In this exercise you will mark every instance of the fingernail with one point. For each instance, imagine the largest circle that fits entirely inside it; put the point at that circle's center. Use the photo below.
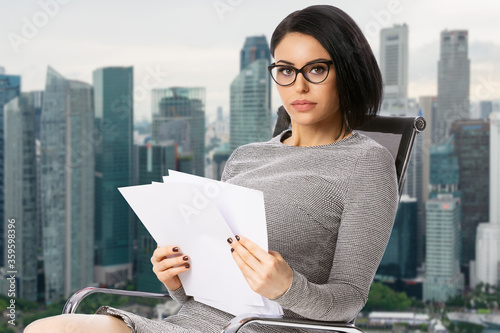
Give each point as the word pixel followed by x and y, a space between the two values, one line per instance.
pixel 175 249
pixel 185 258
pixel 237 237
pixel 232 250
pixel 186 265
pixel 229 240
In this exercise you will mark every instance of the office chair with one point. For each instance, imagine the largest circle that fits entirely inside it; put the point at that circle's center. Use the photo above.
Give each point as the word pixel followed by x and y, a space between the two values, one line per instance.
pixel 398 135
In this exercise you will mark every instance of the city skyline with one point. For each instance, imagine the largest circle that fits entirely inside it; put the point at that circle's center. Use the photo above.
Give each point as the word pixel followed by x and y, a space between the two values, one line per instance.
pixel 181 44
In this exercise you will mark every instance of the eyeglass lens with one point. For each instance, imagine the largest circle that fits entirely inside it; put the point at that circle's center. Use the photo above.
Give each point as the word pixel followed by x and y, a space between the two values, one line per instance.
pixel 314 73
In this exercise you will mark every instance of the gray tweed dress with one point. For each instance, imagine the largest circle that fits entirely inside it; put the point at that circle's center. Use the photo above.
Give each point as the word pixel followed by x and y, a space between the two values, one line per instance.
pixel 329 210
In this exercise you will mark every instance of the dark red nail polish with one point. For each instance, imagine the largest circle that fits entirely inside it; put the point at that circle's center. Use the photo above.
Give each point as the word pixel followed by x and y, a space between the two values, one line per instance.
pixel 232 250
pixel 237 237
pixel 186 265
pixel 185 258
pixel 175 249
pixel 229 240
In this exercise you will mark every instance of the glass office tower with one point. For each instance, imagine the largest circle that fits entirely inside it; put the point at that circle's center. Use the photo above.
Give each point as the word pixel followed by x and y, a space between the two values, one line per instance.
pixel 453 82
pixel 20 192
pixel 472 148
pixel 250 104
pixel 400 257
pixel 152 161
pixel 443 279
pixel 179 116
pixel 67 185
pixel 10 87
pixel 113 100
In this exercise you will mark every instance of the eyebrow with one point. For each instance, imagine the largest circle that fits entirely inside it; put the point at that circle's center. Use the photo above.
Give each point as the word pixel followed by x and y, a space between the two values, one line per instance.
pixel 307 63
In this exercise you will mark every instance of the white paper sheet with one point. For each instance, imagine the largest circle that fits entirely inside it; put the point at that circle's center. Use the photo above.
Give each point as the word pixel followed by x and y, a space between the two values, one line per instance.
pixel 198 215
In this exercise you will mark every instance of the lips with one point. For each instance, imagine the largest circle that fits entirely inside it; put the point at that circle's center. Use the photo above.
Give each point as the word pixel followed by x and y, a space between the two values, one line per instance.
pixel 303 105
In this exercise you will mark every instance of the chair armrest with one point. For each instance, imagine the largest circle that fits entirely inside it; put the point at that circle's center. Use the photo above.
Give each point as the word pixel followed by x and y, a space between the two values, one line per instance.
pixel 75 299
pixel 306 324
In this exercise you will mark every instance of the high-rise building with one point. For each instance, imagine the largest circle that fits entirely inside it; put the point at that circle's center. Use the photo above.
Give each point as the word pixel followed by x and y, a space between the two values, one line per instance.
pixel 485 108
pixel 67 185
pixel 113 100
pixel 179 116
pixel 255 47
pixel 250 104
pixel 152 162
pixel 471 145
pixel 10 87
pixel 494 167
pixel 400 257
pixel 444 169
pixel 453 82
pixel 443 279
pixel 394 62
pixel 20 194
pixel 486 267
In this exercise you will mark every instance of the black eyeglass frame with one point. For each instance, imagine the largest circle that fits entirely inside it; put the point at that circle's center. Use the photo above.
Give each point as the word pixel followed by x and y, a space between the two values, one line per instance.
pixel 297 71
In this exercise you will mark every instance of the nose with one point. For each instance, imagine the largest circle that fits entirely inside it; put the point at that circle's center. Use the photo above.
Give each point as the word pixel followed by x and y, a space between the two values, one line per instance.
pixel 301 84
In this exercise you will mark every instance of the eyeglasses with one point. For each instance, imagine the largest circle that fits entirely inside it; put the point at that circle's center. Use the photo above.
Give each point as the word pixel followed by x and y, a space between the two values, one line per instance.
pixel 315 72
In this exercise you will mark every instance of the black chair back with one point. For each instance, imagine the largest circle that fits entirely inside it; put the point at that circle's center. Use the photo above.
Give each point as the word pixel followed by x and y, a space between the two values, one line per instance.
pixel 396 133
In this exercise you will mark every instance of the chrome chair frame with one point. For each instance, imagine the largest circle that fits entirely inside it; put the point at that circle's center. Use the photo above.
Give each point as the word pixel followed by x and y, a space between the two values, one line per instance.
pixel 404 128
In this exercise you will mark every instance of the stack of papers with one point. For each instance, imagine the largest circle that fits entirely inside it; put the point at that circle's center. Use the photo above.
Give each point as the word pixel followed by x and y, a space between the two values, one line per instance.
pixel 198 215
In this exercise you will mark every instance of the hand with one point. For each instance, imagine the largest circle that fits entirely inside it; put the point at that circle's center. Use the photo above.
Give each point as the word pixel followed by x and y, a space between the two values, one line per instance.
pixel 268 274
pixel 166 268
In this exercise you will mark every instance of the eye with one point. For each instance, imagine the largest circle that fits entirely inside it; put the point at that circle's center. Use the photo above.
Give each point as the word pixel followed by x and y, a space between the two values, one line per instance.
pixel 317 69
pixel 286 71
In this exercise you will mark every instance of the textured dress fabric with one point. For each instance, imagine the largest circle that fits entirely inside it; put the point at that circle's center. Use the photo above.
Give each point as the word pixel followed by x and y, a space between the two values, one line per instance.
pixel 329 212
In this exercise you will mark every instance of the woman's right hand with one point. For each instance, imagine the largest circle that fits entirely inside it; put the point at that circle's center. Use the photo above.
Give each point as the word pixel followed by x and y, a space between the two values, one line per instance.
pixel 168 269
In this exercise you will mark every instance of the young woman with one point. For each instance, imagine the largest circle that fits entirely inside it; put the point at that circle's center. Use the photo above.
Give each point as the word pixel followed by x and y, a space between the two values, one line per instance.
pixel 330 193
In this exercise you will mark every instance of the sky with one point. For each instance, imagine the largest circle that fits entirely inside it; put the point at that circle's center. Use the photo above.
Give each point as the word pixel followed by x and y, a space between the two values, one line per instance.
pixel 197 43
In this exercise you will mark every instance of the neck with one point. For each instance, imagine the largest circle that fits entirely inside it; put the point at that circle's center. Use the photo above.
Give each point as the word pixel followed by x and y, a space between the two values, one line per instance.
pixel 309 136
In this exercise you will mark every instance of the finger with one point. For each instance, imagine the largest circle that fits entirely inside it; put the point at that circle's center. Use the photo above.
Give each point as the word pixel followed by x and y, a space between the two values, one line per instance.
pixel 161 252
pixel 253 248
pixel 169 263
pixel 248 273
pixel 244 254
pixel 172 272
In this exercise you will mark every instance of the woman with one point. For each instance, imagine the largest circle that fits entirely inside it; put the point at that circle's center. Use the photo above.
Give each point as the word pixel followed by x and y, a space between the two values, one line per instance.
pixel 330 193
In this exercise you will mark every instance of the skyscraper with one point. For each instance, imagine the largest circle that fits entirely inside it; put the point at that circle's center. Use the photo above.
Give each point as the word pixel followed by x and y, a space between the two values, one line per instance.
pixel 152 161
pixel 444 169
pixel 250 104
pixel 67 185
pixel 113 100
pixel 394 62
pixel 255 47
pixel 10 87
pixel 471 146
pixel 485 108
pixel 179 116
pixel 453 82
pixel 20 193
pixel 486 267
pixel 400 257
pixel 443 279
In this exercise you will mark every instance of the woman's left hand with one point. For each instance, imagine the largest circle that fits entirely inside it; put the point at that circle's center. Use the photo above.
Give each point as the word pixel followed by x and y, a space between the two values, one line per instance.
pixel 268 274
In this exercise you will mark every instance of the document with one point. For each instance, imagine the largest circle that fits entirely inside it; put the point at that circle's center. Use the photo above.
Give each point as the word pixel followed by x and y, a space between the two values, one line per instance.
pixel 198 215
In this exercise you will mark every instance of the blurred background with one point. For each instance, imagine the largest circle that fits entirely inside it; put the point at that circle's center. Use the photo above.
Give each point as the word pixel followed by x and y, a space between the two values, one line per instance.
pixel 99 95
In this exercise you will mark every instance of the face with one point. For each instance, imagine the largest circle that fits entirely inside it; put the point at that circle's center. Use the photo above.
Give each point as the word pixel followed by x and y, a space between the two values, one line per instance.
pixel 308 104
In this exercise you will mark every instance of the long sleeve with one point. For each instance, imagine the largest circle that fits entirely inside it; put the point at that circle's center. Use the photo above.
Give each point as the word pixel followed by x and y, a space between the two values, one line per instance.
pixel 366 222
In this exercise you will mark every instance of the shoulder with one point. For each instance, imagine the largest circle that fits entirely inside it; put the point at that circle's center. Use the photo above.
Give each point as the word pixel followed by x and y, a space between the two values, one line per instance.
pixel 371 151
